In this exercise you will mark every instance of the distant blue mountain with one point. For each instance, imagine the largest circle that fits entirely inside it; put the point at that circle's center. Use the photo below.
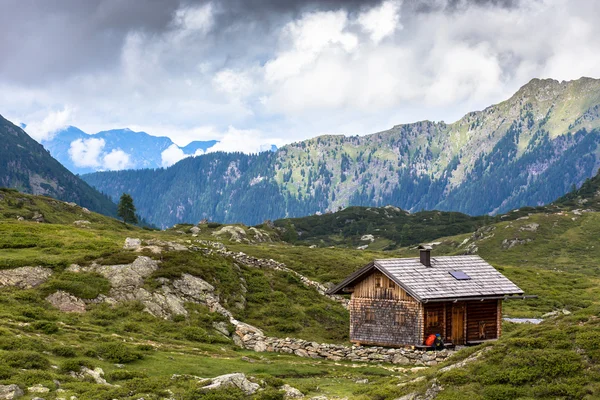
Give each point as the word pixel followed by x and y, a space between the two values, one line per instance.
pixel 198 145
pixel 143 150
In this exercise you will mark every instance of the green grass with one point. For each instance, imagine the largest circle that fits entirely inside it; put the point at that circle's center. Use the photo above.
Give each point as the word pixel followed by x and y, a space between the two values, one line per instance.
pixel 557 359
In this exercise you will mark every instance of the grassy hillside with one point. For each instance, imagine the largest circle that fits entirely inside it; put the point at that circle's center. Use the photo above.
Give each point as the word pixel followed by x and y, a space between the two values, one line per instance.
pixel 551 254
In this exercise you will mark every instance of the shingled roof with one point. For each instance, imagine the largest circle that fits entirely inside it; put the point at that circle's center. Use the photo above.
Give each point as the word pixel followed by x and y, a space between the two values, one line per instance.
pixel 436 282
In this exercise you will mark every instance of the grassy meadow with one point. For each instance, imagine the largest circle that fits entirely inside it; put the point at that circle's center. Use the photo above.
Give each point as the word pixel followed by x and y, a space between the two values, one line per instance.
pixel 552 255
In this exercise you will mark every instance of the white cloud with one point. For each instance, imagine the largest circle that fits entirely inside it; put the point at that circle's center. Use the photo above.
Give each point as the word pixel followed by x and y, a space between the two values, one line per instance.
pixel 244 141
pixel 47 127
pixel 172 155
pixel 381 21
pixel 86 152
pixel 116 160
pixel 299 75
pixel 235 84
pixel 195 18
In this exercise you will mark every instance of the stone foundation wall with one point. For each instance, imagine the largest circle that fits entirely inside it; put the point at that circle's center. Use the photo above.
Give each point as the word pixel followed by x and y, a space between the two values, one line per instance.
pixel 255 340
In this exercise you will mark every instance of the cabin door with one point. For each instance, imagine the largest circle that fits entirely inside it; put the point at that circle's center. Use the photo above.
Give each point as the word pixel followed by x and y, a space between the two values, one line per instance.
pixel 458 323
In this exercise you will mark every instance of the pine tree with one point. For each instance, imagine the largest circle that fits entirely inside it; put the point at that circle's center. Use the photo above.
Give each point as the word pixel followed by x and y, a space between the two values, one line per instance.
pixel 126 209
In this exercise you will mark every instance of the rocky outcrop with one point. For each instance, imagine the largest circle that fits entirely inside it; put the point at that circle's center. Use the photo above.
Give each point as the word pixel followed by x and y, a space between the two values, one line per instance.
pixel 24 277
pixel 253 339
pixel 82 223
pixel 237 380
pixel 238 234
pixel 66 302
pixel 127 284
pixel 96 374
pixel 10 392
pixel 291 392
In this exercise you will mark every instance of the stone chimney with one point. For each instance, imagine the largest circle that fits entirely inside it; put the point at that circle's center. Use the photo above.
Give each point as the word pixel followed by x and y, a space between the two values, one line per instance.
pixel 425 255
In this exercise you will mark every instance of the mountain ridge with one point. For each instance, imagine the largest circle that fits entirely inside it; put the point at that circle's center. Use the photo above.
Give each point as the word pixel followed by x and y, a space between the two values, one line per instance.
pixel 141 149
pixel 527 150
pixel 28 167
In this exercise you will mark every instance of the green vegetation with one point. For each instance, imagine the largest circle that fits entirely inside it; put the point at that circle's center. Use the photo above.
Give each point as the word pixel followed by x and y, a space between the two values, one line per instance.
pixel 548 251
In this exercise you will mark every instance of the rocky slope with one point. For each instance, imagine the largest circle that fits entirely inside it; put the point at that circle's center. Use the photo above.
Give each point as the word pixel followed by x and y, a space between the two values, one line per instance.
pixel 527 150
pixel 27 166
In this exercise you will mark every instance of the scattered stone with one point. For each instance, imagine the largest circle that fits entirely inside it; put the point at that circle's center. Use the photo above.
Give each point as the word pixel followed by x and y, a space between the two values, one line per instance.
pixel 291 392
pixel 38 389
pixel 82 223
pixel 24 277
pixel 510 243
pixel 132 243
pixel 248 359
pixel 362 381
pixel 194 230
pixel 363 247
pixel 312 246
pixel 97 375
pixel 238 380
pixel 10 392
pixel 368 237
pixel 530 227
pixel 85 210
pixel 38 217
pixel 235 233
pixel 20 219
pixel 66 302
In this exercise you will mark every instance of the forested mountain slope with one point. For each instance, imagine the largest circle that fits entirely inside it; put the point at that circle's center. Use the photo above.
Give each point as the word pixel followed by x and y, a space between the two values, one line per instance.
pixel 527 150
pixel 25 165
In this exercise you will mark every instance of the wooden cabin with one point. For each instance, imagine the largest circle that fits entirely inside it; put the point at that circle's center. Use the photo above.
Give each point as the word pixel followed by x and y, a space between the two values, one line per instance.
pixel 401 301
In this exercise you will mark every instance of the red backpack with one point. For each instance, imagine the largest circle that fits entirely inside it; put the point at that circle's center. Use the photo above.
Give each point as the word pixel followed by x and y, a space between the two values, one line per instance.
pixel 430 340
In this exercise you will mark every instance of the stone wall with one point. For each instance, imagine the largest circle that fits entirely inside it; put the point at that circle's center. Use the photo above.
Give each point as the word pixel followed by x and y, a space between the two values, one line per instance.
pixel 253 339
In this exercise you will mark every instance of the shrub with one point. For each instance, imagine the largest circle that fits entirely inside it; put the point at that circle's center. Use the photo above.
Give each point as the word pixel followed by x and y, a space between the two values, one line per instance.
pixel 195 334
pixel 6 372
pixel 124 375
pixel 81 284
pixel 64 351
pixel 45 326
pixel 25 360
pixel 117 352
pixel 74 365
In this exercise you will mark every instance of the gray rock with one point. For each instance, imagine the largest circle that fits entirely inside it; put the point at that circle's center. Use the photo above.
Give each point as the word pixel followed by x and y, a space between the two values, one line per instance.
pixel 10 392
pixel 291 392
pixel 132 243
pixel 24 277
pixel 66 302
pixel 38 389
pixel 530 227
pixel 238 380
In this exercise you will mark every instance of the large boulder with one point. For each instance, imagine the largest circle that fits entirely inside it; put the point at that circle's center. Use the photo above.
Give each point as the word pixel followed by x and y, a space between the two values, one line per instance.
pixel 24 277
pixel 10 392
pixel 238 380
pixel 66 302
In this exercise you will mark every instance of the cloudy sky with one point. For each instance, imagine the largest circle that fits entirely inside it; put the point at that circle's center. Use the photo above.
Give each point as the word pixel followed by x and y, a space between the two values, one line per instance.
pixel 250 72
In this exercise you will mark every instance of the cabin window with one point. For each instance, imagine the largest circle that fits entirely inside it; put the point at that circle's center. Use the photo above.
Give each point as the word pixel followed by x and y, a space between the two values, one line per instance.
pixel 391 284
pixel 399 318
pixel 432 319
pixel 377 281
pixel 369 317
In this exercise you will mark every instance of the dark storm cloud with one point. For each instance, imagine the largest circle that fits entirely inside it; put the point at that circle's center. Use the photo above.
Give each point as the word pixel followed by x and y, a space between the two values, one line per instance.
pixel 45 40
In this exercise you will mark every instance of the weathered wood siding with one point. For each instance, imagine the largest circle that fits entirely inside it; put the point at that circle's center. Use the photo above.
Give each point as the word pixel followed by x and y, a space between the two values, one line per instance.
pixel 435 317
pixel 482 320
pixel 382 313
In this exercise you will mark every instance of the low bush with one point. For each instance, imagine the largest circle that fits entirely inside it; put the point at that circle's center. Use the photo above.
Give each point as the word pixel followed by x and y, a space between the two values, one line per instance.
pixel 74 365
pixel 64 351
pixel 117 352
pixel 24 360
pixel 124 375
pixel 46 327
pixel 81 284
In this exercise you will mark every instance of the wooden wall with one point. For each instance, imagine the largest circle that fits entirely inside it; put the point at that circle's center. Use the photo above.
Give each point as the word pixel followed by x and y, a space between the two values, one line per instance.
pixel 435 319
pixel 382 313
pixel 482 312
